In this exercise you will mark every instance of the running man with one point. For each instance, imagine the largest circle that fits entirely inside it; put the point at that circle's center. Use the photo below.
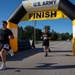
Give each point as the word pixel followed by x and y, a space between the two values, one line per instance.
pixel 5 49
pixel 46 37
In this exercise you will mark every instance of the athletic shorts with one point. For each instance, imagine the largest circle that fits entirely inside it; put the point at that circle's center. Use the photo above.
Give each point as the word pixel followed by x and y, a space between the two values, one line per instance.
pixel 46 43
pixel 5 46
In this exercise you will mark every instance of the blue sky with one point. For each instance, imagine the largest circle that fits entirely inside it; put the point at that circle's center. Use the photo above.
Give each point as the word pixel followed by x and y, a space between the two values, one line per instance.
pixel 60 25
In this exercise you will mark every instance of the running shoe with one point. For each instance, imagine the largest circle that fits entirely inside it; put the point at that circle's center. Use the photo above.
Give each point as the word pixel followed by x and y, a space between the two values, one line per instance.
pixel 49 50
pixel 3 67
pixel 46 54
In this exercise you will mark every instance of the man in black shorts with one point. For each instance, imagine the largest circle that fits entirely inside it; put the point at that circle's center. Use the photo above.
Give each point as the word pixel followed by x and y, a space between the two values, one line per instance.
pixel 46 37
pixel 5 35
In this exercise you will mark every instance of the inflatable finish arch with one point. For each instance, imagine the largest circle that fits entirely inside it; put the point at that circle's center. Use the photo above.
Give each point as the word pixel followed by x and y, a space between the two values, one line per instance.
pixel 40 5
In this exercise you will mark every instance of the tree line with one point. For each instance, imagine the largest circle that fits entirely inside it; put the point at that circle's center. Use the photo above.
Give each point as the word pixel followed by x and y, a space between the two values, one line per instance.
pixel 28 33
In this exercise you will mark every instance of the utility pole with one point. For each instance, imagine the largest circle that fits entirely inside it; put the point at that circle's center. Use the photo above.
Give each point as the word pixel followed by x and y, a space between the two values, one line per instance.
pixel 34 31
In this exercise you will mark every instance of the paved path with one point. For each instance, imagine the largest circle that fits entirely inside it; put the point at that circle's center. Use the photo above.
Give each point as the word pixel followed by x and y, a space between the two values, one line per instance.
pixel 60 61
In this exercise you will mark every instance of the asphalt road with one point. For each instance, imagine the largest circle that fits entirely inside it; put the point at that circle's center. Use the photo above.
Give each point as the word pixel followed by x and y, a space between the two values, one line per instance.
pixel 60 61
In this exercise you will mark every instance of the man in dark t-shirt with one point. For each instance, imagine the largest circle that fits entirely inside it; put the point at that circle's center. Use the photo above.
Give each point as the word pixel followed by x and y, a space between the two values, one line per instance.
pixel 46 37
pixel 5 35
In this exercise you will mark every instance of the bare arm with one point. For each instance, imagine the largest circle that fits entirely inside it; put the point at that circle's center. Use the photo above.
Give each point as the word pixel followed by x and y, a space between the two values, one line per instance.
pixel 11 37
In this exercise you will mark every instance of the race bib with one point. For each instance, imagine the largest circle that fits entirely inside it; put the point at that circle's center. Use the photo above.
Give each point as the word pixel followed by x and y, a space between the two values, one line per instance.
pixel 6 46
pixel 45 38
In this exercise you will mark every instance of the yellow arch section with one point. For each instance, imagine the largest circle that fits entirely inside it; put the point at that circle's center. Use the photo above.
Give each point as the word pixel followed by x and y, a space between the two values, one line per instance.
pixel 14 42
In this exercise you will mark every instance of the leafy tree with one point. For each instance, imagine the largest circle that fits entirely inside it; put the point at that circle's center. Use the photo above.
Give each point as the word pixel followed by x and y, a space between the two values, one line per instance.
pixel 54 35
pixel 29 32
pixel 65 36
pixel 20 32
pixel 71 36
pixel 38 34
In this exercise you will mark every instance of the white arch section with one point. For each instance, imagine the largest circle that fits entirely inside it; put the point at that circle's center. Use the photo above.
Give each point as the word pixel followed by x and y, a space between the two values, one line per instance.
pixel 40 5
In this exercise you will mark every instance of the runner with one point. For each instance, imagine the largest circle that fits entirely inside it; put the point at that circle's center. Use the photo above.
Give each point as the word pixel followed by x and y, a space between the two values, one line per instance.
pixel 46 37
pixel 5 49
